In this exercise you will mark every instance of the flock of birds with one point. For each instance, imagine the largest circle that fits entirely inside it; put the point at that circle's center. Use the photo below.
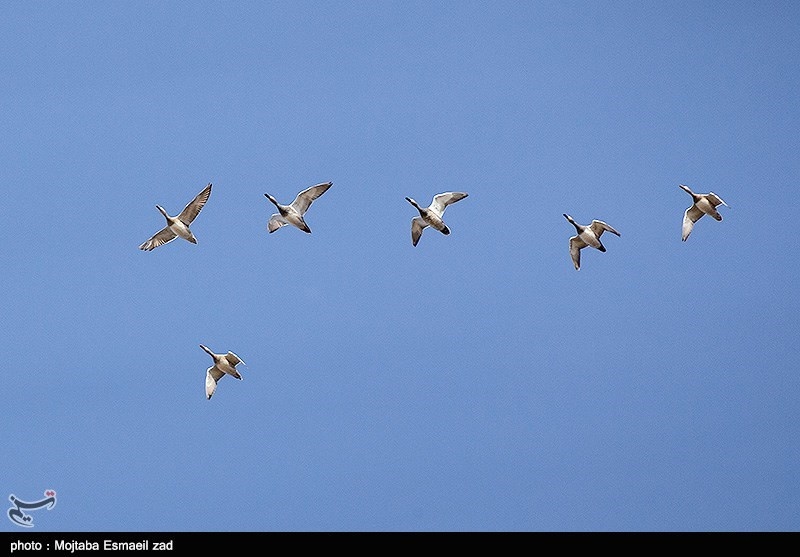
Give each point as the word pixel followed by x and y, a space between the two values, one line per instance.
pixel 294 213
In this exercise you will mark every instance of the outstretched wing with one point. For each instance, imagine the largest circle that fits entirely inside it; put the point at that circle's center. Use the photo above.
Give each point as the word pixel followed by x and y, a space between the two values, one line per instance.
pixel 275 222
pixel 715 199
pixel 304 199
pixel 417 226
pixel 691 216
pixel 213 374
pixel 234 359
pixel 599 226
pixel 194 207
pixel 163 236
pixel 441 201
pixel 575 247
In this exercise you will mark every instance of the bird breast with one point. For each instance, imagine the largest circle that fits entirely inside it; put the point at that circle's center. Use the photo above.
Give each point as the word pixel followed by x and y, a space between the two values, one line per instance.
pixel 588 236
pixel 434 221
pixel 705 205
pixel 180 228
pixel 225 366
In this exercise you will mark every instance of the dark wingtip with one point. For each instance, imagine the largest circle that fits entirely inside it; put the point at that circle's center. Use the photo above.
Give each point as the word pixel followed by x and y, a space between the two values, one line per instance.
pixel 602 248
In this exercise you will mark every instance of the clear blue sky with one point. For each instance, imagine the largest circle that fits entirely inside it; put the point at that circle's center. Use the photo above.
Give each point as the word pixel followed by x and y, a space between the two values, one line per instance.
pixel 475 382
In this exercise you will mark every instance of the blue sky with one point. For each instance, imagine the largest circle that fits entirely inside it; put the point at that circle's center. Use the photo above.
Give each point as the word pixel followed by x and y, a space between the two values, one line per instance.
pixel 475 382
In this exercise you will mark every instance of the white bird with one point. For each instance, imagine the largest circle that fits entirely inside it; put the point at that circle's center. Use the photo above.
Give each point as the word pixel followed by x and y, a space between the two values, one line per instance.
pixel 587 236
pixel 293 213
pixel 223 364
pixel 179 225
pixel 432 215
pixel 703 204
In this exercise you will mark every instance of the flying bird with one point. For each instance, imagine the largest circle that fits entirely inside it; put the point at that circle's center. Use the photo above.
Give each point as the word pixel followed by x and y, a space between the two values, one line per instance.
pixel 293 213
pixel 432 215
pixel 223 364
pixel 703 204
pixel 179 225
pixel 587 236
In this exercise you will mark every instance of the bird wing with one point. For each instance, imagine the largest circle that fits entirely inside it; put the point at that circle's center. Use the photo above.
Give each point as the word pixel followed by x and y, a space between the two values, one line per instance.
pixel 575 246
pixel 418 224
pixel 191 211
pixel 213 374
pixel 234 359
pixel 304 199
pixel 275 222
pixel 441 201
pixel 715 199
pixel 691 216
pixel 599 226
pixel 160 238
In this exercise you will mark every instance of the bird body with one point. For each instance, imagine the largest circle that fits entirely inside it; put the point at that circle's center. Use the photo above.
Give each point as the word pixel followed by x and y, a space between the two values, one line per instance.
pixel 224 364
pixel 702 204
pixel 587 236
pixel 294 212
pixel 432 215
pixel 178 226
